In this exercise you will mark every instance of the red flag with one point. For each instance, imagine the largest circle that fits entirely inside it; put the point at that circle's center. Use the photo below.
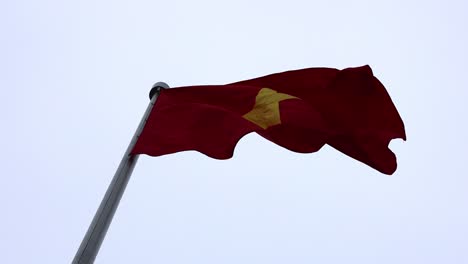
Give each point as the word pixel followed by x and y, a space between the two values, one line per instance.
pixel 300 110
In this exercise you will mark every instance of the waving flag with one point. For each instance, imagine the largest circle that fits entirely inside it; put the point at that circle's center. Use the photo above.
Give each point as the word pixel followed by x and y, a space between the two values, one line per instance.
pixel 301 110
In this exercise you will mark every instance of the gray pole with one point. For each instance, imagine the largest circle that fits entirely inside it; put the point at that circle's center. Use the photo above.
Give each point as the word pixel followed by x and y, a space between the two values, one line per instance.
pixel 92 241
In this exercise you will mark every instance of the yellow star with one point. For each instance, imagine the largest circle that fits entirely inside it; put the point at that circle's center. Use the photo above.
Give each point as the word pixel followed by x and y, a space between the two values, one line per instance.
pixel 266 111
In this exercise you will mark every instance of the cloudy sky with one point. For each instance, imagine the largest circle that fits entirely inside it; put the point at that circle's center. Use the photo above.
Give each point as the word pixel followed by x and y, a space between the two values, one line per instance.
pixel 75 77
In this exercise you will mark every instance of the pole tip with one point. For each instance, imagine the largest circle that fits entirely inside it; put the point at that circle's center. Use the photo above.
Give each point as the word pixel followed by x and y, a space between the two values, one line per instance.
pixel 157 87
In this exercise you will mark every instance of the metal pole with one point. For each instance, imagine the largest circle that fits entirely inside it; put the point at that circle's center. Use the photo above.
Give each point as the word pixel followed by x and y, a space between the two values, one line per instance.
pixel 92 241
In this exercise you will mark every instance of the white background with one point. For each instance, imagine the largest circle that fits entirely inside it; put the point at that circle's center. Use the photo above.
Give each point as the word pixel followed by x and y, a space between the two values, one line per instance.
pixel 75 77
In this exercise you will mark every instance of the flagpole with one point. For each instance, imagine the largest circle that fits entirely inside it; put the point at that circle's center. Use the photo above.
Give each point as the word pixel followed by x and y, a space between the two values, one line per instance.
pixel 97 230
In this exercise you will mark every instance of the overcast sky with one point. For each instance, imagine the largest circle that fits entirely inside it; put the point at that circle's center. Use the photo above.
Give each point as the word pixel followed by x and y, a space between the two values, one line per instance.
pixel 75 77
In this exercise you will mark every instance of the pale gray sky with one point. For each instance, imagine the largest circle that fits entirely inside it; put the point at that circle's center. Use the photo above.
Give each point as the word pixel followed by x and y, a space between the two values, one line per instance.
pixel 75 77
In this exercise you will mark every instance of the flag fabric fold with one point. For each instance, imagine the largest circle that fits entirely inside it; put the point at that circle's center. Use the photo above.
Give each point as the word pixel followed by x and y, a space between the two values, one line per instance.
pixel 301 110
